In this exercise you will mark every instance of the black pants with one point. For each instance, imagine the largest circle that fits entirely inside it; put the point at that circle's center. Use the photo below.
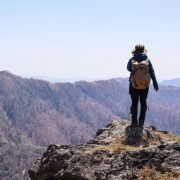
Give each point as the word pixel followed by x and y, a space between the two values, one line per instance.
pixel 137 95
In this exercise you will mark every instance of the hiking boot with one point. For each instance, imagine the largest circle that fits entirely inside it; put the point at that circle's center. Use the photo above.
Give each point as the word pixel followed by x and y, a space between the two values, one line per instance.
pixel 141 124
pixel 133 124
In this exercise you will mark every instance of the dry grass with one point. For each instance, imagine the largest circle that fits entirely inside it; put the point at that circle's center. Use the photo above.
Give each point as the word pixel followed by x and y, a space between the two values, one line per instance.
pixel 151 174
pixel 117 146
pixel 146 141
pixel 169 137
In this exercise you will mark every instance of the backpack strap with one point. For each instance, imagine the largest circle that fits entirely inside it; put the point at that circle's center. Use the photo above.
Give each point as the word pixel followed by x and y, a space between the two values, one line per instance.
pixel 133 71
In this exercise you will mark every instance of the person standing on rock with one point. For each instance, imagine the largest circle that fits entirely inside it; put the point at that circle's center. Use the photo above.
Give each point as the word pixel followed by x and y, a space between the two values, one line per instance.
pixel 141 73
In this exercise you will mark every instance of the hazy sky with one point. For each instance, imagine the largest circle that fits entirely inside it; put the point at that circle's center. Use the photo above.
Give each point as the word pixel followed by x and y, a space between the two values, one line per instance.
pixel 88 38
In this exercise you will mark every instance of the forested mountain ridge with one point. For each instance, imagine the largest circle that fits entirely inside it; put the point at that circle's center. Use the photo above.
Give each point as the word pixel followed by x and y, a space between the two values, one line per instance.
pixel 36 113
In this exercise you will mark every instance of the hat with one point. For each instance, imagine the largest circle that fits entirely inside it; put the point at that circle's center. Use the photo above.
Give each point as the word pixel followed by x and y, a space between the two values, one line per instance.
pixel 139 49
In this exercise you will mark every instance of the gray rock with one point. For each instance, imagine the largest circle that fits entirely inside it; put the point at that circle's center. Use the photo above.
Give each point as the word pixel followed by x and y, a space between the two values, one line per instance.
pixel 75 162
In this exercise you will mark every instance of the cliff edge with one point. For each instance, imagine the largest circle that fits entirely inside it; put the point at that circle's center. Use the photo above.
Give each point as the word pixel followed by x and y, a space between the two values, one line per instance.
pixel 116 152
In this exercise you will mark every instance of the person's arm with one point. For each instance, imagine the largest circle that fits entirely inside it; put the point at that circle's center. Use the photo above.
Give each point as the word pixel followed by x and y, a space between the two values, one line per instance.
pixel 129 66
pixel 153 76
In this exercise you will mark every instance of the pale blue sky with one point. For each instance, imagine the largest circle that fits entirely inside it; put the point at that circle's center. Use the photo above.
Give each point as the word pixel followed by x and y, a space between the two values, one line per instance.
pixel 88 38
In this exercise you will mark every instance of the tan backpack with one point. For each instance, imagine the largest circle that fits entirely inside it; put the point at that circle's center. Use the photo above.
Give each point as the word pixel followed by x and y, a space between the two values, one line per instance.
pixel 140 77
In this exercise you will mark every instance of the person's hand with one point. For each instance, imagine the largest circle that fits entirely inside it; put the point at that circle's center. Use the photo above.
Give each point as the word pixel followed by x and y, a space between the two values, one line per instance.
pixel 156 87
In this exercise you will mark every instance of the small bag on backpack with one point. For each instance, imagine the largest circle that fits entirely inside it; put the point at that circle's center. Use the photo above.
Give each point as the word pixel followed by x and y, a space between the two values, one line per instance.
pixel 140 77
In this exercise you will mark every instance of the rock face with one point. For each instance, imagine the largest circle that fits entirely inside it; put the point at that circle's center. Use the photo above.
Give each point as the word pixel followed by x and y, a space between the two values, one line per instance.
pixel 117 152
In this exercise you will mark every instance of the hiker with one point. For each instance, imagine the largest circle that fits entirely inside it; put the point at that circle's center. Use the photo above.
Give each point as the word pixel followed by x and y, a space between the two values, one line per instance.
pixel 141 74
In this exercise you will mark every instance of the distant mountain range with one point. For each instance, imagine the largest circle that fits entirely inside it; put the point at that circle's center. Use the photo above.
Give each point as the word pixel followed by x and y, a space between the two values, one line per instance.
pixel 62 80
pixel 36 113
pixel 172 82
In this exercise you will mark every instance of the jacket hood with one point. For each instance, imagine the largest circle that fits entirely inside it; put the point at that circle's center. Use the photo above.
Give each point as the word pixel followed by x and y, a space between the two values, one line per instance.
pixel 140 57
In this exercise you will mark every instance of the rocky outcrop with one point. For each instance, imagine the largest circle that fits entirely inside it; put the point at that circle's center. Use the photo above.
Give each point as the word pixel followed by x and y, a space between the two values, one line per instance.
pixel 117 152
